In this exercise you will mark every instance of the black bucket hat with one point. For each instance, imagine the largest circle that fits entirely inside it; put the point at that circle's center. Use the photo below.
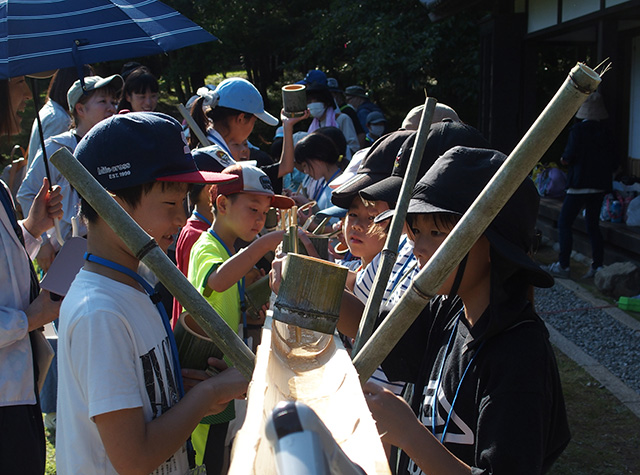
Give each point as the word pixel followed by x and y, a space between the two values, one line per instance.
pixel 376 165
pixel 442 136
pixel 453 183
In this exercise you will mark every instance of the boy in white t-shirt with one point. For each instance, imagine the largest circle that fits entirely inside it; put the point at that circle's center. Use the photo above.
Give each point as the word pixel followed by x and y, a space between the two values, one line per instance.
pixel 118 369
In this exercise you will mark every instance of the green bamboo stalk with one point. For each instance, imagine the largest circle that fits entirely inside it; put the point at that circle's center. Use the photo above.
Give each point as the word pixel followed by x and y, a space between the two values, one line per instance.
pixel 146 249
pixel 390 250
pixel 580 83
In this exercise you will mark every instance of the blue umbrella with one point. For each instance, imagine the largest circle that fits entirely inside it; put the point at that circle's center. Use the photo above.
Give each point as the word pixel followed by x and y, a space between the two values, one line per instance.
pixel 37 35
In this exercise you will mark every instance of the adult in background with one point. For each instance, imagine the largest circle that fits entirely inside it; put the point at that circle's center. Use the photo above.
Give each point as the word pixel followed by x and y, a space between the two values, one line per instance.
pixel 322 108
pixel 345 108
pixel 97 102
pixel 357 97
pixel 23 308
pixel 140 92
pixel 591 157
pixel 376 123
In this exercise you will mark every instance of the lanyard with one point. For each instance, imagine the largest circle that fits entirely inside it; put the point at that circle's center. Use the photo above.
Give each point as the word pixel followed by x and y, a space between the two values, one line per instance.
pixel 326 183
pixel 455 397
pixel 240 286
pixel 155 298
pixel 202 218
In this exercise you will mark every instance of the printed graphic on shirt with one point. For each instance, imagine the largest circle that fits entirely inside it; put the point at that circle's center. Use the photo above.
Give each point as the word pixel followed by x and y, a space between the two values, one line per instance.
pixel 159 380
pixel 458 431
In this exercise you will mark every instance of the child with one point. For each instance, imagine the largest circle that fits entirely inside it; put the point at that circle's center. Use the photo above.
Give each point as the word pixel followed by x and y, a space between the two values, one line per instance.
pixel 217 272
pixel 481 348
pixel 118 373
pixel 202 215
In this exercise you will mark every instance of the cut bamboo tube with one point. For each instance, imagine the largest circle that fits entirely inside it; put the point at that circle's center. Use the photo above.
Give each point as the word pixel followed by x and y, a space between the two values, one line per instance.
pixel 200 135
pixel 146 249
pixel 310 293
pixel 390 250
pixel 581 82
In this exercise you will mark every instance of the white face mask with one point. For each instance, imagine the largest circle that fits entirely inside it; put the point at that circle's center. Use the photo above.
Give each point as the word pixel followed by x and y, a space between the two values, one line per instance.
pixel 316 109
pixel 377 130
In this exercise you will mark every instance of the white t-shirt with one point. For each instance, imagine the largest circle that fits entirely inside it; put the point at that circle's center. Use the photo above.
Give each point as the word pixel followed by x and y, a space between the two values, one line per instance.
pixel 113 354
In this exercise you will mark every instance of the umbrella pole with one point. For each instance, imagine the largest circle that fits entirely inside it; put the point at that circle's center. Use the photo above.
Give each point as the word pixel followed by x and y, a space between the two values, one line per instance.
pixel 47 171
pixel 390 251
pixel 193 126
pixel 580 83
pixel 146 249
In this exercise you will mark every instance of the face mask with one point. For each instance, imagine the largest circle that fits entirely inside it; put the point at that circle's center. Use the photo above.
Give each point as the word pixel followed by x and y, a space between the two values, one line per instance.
pixel 377 130
pixel 316 109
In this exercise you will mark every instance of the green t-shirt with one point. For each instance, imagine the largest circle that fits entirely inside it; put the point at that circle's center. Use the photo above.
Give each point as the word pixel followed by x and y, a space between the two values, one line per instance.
pixel 207 254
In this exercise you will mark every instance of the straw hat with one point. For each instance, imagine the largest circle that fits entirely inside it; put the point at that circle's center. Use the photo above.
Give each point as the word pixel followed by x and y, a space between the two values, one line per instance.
pixel 593 108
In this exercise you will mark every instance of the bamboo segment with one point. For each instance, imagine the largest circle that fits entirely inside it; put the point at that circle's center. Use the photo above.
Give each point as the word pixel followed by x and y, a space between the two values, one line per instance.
pixel 580 83
pixel 320 243
pixel 390 251
pixel 310 293
pixel 194 346
pixel 202 138
pixel 147 250
pixel 257 295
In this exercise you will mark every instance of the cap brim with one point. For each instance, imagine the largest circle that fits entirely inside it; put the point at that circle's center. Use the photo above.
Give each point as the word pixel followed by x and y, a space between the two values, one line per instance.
pixel 200 177
pixel 343 195
pixel 415 207
pixel 282 202
pixel 333 212
pixel 267 118
pixel 387 190
pixel 535 275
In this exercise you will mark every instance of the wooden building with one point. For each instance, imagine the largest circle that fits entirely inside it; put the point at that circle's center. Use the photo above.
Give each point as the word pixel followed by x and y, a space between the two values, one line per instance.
pixel 527 49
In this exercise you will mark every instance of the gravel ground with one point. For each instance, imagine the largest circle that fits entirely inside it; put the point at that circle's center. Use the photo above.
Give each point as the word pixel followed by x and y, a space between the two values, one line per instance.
pixel 612 344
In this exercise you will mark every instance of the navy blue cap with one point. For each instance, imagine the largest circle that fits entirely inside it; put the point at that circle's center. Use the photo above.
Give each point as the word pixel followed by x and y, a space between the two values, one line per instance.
pixel 332 212
pixel 314 77
pixel 132 149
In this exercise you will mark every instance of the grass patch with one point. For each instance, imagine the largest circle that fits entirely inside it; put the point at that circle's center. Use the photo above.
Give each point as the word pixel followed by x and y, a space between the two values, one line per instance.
pixel 605 434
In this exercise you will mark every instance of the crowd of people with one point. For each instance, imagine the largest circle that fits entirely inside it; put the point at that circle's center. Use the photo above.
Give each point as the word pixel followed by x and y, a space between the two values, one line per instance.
pixel 473 386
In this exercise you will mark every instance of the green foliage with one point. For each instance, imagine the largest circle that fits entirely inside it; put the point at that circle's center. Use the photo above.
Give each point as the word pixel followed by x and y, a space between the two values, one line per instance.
pixel 394 50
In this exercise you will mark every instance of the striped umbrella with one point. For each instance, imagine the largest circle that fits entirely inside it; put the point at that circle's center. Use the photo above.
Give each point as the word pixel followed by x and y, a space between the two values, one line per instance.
pixel 38 35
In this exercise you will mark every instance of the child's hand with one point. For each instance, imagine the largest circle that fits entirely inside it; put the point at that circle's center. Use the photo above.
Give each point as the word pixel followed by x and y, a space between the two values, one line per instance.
pixel 272 239
pixel 275 275
pixel 308 245
pixel 289 122
pixel 391 413
pixel 225 387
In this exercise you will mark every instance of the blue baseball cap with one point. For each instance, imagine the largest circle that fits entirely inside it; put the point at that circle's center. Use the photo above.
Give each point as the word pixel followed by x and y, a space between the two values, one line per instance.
pixel 132 149
pixel 240 94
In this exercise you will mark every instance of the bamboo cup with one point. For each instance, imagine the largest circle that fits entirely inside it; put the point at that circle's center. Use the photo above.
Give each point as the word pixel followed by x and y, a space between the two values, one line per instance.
pixel 294 100
pixel 310 293
pixel 580 83
pixel 146 249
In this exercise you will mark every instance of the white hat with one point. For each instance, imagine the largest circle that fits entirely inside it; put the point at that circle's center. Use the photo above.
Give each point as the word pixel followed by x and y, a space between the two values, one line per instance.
pixel 351 169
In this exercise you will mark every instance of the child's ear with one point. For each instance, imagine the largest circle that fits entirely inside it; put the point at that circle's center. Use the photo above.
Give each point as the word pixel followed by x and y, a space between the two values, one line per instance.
pixel 79 110
pixel 222 203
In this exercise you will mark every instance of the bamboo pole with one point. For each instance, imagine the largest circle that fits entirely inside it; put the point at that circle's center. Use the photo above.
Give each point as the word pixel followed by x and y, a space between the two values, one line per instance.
pixel 202 138
pixel 146 249
pixel 580 83
pixel 390 251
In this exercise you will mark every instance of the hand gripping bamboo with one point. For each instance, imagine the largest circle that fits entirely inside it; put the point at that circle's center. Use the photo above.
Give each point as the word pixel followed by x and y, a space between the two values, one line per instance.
pixel 146 249
pixel 580 83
